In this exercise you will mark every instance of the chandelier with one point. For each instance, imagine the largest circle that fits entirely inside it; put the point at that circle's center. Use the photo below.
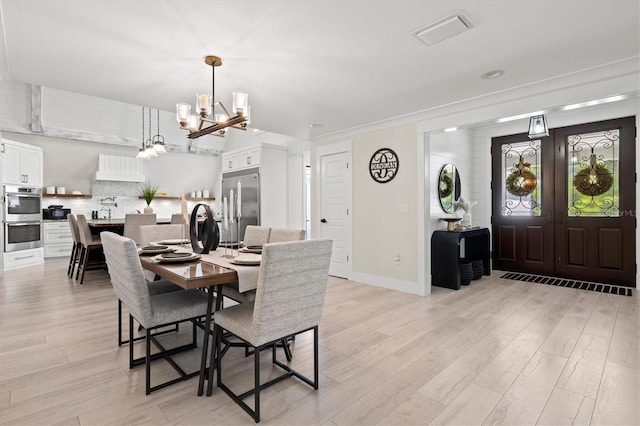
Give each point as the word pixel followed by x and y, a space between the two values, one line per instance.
pixel 151 147
pixel 201 124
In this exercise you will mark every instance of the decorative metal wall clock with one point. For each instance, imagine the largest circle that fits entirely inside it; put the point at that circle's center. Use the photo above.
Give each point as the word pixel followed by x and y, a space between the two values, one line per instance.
pixel 383 165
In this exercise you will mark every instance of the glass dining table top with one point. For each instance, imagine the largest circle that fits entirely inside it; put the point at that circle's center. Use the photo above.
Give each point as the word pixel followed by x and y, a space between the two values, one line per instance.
pixel 193 274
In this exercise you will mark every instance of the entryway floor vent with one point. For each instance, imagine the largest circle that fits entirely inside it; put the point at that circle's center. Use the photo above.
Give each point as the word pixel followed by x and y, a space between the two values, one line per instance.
pixel 563 282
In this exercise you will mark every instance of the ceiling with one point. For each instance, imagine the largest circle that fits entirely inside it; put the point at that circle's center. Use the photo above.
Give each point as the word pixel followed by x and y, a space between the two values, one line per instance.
pixel 342 64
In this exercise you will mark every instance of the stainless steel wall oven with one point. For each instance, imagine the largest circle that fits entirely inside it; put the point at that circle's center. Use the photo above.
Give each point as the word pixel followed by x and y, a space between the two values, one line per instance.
pixel 22 218
pixel 22 204
pixel 22 235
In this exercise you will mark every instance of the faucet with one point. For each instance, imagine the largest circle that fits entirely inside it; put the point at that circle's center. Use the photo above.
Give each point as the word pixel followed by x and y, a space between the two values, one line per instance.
pixel 108 202
pixel 108 209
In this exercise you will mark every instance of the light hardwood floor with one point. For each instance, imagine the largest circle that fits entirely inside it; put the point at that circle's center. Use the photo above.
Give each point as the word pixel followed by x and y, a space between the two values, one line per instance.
pixel 495 352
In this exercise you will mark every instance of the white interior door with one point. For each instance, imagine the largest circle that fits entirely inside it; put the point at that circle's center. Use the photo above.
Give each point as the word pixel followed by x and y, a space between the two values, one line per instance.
pixel 335 206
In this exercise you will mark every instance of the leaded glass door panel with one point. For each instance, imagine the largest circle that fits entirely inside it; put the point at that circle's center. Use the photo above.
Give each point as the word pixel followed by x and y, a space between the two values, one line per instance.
pixel 595 195
pixel 522 218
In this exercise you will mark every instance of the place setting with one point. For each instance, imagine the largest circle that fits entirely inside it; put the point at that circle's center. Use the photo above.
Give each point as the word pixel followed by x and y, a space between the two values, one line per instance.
pixel 155 250
pixel 179 257
pixel 246 259
pixel 251 249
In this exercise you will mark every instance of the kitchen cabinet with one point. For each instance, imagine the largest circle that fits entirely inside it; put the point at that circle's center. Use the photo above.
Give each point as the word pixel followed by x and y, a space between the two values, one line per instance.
pixel 57 238
pixel 243 159
pixel 22 164
pixel 17 259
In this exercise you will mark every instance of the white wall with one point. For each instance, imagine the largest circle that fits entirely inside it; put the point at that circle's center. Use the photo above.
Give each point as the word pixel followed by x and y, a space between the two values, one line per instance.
pixel 380 230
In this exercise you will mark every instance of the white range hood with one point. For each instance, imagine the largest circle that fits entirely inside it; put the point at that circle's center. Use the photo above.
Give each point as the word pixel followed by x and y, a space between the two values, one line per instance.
pixel 123 169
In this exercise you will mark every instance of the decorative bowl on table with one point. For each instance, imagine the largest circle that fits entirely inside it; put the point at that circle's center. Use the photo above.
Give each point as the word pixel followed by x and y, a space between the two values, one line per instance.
pixel 153 250
pixel 177 257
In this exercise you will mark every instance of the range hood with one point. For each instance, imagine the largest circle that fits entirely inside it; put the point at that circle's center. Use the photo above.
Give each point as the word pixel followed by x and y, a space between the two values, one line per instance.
pixel 123 169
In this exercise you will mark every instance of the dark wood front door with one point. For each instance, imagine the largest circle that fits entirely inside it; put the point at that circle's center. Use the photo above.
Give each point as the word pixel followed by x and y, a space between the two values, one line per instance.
pixel 564 205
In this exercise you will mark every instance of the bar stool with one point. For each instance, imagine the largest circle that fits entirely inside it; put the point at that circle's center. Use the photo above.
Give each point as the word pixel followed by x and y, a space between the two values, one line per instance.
pixel 77 245
pixel 89 244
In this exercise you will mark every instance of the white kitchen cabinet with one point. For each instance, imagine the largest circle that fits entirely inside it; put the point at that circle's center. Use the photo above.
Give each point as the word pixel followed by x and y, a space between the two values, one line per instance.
pixel 57 238
pixel 18 259
pixel 230 162
pixel 22 164
pixel 243 159
pixel 249 158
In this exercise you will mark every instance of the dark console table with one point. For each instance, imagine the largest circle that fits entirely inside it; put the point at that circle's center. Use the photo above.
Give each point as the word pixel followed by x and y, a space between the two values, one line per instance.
pixel 445 254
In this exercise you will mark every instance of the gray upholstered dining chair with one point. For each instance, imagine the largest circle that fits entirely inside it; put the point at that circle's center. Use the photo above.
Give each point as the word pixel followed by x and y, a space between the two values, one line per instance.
pixel 152 311
pixel 157 233
pixel 77 245
pixel 148 234
pixel 289 301
pixel 255 235
pixel 177 218
pixel 132 223
pixel 278 235
pixel 88 245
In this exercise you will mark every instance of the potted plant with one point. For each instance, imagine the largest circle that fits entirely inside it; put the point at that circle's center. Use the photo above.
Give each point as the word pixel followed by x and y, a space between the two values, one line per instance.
pixel 148 191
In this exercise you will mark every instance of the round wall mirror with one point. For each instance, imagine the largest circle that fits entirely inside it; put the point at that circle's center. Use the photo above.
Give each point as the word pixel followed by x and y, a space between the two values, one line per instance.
pixel 448 187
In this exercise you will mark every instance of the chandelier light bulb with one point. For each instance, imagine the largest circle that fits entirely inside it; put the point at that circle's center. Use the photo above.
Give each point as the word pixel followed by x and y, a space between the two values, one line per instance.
pixel 203 104
pixel 193 123
pixel 183 112
pixel 240 102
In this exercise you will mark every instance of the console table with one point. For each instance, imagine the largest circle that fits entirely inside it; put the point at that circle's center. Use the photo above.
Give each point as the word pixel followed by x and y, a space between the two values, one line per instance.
pixel 445 254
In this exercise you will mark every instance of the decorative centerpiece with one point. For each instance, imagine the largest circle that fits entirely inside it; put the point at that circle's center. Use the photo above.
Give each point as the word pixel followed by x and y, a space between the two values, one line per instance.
pixel 466 206
pixel 148 191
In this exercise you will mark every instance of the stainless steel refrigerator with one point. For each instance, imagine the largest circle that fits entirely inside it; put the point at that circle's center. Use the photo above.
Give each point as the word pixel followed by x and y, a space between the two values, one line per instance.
pixel 250 182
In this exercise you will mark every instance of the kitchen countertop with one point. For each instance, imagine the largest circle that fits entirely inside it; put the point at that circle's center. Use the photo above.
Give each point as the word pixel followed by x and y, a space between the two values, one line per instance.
pixel 120 221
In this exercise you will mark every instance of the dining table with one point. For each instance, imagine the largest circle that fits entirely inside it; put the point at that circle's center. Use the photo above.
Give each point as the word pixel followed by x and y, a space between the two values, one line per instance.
pixel 214 271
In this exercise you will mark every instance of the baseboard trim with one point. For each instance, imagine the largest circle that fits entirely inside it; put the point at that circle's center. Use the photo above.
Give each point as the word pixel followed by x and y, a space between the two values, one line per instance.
pixel 385 282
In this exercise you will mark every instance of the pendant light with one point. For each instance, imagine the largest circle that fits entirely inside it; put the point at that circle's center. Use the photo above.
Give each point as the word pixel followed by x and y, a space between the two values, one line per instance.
pixel 158 139
pixel 142 152
pixel 151 152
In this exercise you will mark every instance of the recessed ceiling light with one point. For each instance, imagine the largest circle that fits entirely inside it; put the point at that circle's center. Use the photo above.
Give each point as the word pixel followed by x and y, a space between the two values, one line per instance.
pixel 492 74
pixel 450 129
pixel 315 125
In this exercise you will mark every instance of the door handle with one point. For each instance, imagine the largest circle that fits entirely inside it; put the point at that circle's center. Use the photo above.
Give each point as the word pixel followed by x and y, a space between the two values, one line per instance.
pixel 323 220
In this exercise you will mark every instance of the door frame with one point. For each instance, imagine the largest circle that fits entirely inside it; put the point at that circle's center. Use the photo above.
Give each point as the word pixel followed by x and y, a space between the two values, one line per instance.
pixel 322 151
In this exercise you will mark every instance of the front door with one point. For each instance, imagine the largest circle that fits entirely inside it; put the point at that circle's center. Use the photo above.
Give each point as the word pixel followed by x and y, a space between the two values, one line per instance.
pixel 564 205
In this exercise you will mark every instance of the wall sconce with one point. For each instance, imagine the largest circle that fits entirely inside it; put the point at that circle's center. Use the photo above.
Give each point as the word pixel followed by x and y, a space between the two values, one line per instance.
pixel 538 127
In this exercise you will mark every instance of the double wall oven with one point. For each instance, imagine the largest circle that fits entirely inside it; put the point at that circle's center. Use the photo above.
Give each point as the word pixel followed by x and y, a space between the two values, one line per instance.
pixel 22 218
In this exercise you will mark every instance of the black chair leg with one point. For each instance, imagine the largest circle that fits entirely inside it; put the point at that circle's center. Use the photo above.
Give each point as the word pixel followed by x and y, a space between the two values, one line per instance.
pixel 84 264
pixel 147 362
pixel 130 341
pixel 83 250
pixel 72 260
pixel 119 322
pixel 256 362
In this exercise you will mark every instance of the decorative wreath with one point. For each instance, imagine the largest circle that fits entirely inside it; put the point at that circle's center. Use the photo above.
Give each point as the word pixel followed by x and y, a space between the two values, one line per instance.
pixel 446 185
pixel 585 183
pixel 521 183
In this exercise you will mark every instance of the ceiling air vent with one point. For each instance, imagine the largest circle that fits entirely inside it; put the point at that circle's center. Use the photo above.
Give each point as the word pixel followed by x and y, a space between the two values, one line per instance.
pixel 443 29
